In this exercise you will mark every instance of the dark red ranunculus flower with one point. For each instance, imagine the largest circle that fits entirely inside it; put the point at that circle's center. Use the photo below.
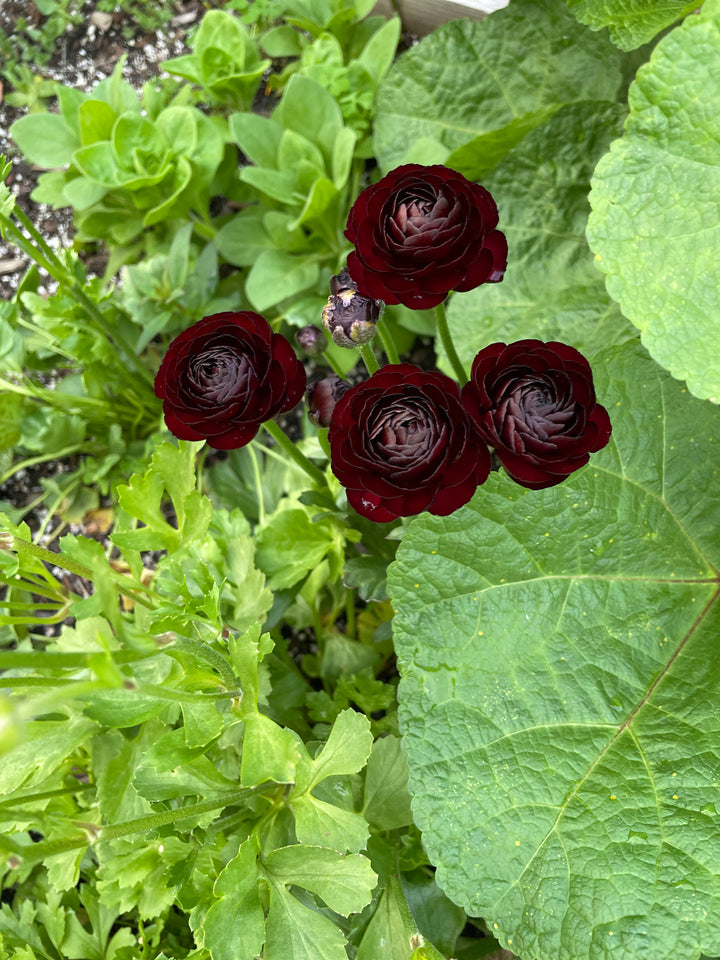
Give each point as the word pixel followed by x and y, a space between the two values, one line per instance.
pixel 421 232
pixel 534 402
pixel 225 376
pixel 402 443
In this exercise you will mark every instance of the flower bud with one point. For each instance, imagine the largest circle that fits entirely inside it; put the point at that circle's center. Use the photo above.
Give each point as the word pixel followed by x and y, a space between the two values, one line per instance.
pixel 349 317
pixel 321 399
pixel 311 339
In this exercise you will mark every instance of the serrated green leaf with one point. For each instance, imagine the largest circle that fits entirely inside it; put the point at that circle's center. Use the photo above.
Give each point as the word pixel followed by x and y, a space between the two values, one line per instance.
pixel 654 224
pixel 551 290
pixel 290 545
pixel 463 81
pixel 234 926
pixel 344 882
pixel 557 695
pixel 630 24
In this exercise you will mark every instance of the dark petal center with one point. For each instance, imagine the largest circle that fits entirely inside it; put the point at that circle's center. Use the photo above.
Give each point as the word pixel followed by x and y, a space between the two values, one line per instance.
pixel 219 374
pixel 419 210
pixel 533 413
pixel 403 434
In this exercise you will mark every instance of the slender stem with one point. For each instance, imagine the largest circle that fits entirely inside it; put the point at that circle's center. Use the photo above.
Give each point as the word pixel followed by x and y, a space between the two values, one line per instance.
pixel 388 343
pixel 47 250
pixel 92 832
pixel 448 344
pixel 258 485
pixel 369 359
pixel 350 613
pixel 43 458
pixel 334 366
pixel 292 451
pixel 56 559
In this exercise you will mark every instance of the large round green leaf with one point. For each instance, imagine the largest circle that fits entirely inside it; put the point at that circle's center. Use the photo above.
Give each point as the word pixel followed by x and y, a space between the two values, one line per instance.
pixel 469 92
pixel 551 290
pixel 560 676
pixel 655 225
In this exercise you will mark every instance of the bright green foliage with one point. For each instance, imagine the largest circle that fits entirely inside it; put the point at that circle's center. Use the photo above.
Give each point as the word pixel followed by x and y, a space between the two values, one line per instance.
pixel 654 226
pixel 459 98
pixel 225 61
pixel 557 699
pixel 551 290
pixel 301 164
pixel 630 24
pixel 125 171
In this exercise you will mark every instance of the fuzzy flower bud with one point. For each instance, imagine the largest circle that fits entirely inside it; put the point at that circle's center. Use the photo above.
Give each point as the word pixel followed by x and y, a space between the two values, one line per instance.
pixel 321 399
pixel 349 317
pixel 312 340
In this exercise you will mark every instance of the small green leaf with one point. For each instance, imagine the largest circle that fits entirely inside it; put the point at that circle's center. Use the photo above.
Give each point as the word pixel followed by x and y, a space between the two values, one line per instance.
pixel 276 275
pixel 234 926
pixel 290 546
pixel 654 225
pixel 258 138
pixel 295 932
pixel 45 139
pixel 324 824
pixel 387 801
pixel 344 883
pixel 308 109
pixel 346 751
pixel 270 752
pixel 96 120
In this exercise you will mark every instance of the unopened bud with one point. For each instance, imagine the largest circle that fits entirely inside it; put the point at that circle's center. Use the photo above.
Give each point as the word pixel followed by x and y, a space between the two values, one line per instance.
pixel 312 340
pixel 322 397
pixel 349 317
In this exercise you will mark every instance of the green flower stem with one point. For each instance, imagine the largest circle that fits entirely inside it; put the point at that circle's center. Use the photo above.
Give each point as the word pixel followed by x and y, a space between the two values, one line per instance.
pixel 258 485
pixel 56 559
pixel 449 346
pixel 333 366
pixel 369 359
pixel 388 343
pixel 41 253
pixel 292 451
pixel 93 833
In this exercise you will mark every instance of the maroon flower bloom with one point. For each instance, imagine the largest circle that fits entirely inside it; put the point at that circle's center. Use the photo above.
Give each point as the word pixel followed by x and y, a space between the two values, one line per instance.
pixel 225 376
pixel 402 443
pixel 535 403
pixel 421 232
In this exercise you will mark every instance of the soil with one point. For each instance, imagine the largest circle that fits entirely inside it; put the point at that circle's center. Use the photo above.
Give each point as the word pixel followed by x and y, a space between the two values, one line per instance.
pixel 85 54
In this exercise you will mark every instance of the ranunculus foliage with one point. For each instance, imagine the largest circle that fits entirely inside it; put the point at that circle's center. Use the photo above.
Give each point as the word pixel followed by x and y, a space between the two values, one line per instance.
pixel 535 403
pixel 402 443
pixel 225 376
pixel 421 232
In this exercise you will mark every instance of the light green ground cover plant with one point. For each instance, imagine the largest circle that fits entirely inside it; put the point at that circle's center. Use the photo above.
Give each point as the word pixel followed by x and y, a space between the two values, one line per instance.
pixel 212 756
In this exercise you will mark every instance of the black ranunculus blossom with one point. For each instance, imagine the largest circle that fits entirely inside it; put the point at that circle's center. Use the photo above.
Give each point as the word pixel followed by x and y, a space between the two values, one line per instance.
pixel 225 376
pixel 421 232
pixel 321 399
pixel 402 443
pixel 535 403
